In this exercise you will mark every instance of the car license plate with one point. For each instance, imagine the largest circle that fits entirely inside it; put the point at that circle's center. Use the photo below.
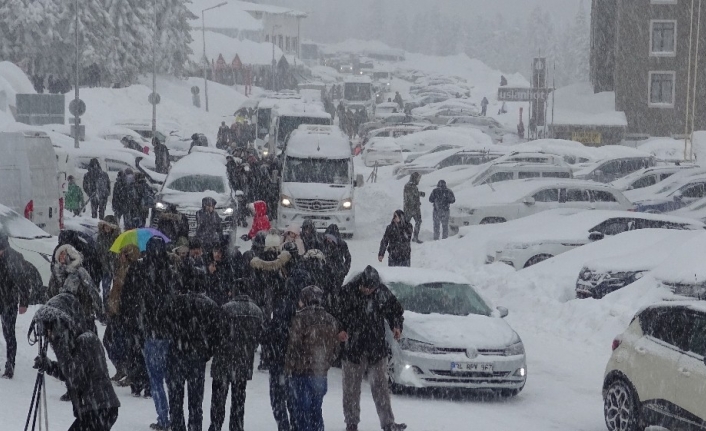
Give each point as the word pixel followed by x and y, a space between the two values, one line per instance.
pixel 460 367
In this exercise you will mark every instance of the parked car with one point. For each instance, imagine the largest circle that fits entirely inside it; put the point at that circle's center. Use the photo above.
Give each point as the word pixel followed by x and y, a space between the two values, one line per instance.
pixel 452 337
pixel 626 258
pixel 488 125
pixel 383 110
pixel 567 232
pixel 444 159
pixel 682 272
pixel 396 131
pixel 382 152
pixel 391 120
pixel 508 171
pixel 196 176
pixel 519 198
pixel 35 245
pixel 656 373
pixel 609 170
pixel 648 177
pixel 674 196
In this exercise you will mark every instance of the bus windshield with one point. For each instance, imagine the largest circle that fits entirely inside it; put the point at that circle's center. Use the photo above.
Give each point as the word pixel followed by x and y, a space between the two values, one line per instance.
pixel 357 92
pixel 322 171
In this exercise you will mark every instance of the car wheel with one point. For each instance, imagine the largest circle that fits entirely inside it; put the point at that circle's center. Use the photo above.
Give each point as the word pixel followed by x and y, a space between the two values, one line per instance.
pixel 620 407
pixel 538 258
pixel 492 220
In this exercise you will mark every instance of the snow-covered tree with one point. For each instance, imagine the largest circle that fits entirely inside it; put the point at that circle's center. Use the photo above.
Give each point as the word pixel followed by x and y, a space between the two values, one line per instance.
pixel 133 36
pixel 581 45
pixel 173 35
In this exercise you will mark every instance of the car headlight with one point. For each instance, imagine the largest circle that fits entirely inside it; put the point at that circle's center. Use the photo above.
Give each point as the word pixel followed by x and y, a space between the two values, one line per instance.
pixel 515 349
pixel 347 204
pixel 285 201
pixel 228 211
pixel 416 346
pixel 265 153
pixel 161 206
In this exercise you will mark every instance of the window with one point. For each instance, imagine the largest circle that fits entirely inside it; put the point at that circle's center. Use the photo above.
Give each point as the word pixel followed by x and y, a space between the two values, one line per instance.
pixel 286 44
pixel 523 175
pixel 577 195
pixel 662 89
pixel 697 341
pixel 454 160
pixel 693 191
pixel 116 165
pixel 198 184
pixel 549 195
pixel 670 325
pixel 663 177
pixel 281 42
pixel 644 182
pixel 662 38
pixel 603 196
pixel 500 176
pixel 614 226
pixel 556 174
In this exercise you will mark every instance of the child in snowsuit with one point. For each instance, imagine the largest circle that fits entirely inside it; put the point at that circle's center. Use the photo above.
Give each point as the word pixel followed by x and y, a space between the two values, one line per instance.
pixel 74 197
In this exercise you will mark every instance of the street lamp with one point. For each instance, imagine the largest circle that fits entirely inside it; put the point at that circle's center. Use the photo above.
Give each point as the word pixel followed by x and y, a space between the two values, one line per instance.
pixel 205 59
pixel 274 63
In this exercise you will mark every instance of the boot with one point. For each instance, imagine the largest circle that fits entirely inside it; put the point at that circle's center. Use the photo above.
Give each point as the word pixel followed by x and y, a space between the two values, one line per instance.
pixel 9 372
pixel 416 239
pixel 119 375
pixel 395 427
pixel 351 427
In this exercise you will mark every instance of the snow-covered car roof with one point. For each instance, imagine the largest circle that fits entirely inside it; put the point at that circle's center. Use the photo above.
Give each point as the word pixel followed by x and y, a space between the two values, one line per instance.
pixel 15 226
pixel 318 142
pixel 561 147
pixel 198 163
pixel 674 182
pixel 383 144
pixel 434 138
pixel 685 265
pixel 511 191
pixel 388 105
pixel 625 182
pixel 416 276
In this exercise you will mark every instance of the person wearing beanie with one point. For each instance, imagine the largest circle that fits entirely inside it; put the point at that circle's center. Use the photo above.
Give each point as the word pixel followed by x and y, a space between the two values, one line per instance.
pixel 365 307
pixel 441 197
pixel 209 224
pixel 293 234
pixel 312 348
pixel 397 241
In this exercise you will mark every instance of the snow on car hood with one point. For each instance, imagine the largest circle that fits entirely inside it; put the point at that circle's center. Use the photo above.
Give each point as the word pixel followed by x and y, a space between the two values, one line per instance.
pixel 316 191
pixel 193 200
pixel 480 332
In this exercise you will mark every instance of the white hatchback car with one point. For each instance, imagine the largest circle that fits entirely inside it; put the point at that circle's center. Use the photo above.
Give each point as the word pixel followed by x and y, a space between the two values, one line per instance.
pixel 383 152
pixel 657 373
pixel 452 338
pixel 509 200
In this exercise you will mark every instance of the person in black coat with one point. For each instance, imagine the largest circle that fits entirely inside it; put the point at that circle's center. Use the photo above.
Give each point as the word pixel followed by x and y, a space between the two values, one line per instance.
pixel 225 266
pixel 232 367
pixel 120 195
pixel 310 237
pixel 194 338
pixel 442 198
pixel 366 306
pixel 96 184
pixel 397 241
pixel 173 224
pixel 14 298
pixel 337 255
pixel 161 156
pixel 156 292
pixel 194 269
pixel 209 229
pixel 80 363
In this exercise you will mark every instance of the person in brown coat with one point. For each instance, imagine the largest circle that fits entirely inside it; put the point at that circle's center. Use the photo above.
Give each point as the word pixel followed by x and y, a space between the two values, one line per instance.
pixel 312 348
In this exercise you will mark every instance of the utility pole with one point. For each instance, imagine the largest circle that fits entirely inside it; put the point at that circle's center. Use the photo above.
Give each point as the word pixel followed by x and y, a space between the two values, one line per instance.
pixel 77 118
pixel 154 75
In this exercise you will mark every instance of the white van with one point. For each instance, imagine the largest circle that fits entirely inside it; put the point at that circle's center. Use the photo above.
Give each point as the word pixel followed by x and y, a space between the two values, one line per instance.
pixel 29 178
pixel 288 115
pixel 318 180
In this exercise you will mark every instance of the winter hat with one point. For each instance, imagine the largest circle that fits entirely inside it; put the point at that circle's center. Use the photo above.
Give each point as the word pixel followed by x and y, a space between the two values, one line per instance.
pixel 195 243
pixel 208 201
pixel 415 177
pixel 70 178
pixel 311 295
pixel 315 254
pixel 369 277
pixel 272 239
pixel 331 238
pixel 441 184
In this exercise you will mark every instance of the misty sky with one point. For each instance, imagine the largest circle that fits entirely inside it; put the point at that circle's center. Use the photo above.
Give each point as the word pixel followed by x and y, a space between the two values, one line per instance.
pixel 561 9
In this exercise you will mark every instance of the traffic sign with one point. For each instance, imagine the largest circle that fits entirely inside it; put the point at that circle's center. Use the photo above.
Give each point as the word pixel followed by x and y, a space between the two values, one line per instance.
pixel 522 94
pixel 195 90
pixel 80 106
pixel 154 98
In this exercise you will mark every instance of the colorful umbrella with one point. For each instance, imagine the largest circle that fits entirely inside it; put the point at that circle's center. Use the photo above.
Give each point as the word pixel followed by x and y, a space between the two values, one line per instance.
pixel 138 237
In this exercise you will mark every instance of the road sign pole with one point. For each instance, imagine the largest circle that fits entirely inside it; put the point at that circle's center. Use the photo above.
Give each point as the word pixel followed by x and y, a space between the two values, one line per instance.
pixel 77 120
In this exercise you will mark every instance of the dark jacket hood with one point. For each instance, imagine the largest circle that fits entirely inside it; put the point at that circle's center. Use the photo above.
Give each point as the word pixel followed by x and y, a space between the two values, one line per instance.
pixel 441 184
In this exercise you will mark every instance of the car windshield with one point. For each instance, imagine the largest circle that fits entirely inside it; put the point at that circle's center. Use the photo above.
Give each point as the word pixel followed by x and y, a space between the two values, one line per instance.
pixel 440 298
pixel 198 184
pixel 322 171
pixel 16 226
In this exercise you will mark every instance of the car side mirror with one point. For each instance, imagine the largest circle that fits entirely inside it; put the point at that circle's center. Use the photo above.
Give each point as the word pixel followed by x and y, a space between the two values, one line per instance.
pixel 359 180
pixel 503 312
pixel 529 201
pixel 595 236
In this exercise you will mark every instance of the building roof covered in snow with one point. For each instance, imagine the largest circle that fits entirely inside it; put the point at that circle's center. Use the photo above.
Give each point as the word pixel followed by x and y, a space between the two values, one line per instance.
pixel 249 52
pixel 230 16
pixel 268 9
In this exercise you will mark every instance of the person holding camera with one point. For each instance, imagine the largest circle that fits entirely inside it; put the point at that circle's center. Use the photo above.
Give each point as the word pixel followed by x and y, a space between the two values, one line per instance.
pixel 413 204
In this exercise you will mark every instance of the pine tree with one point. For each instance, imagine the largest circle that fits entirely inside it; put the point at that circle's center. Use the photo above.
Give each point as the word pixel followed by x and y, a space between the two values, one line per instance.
pixel 581 45
pixel 133 35
pixel 173 35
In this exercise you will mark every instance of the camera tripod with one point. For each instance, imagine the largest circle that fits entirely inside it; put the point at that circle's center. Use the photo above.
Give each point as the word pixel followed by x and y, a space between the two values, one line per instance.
pixel 38 405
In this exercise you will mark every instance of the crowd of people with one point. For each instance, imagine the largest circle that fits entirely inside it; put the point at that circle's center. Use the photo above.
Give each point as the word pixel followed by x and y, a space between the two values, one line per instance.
pixel 172 307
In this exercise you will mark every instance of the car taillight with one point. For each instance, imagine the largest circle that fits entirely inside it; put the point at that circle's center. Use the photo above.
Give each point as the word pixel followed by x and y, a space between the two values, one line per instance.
pixel 632 210
pixel 29 210
pixel 616 343
pixel 61 213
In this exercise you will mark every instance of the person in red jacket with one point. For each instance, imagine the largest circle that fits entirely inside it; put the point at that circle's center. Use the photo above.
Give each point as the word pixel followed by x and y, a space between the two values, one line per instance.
pixel 260 220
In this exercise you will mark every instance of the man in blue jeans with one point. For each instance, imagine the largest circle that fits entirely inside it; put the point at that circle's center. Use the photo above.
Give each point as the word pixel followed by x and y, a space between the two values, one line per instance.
pixel 312 348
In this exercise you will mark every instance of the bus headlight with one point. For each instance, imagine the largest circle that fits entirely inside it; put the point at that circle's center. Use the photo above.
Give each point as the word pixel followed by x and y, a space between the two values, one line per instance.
pixel 285 201
pixel 347 204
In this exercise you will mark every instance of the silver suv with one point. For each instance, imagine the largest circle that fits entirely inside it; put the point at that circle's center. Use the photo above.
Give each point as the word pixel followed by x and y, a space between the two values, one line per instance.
pixel 656 375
